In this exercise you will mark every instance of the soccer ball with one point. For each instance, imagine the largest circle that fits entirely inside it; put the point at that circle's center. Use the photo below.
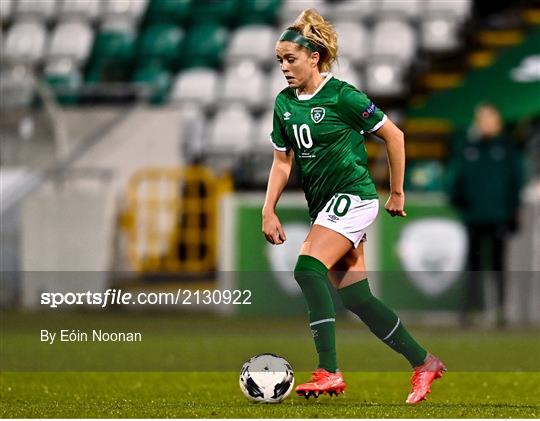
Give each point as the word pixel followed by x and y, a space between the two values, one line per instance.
pixel 266 378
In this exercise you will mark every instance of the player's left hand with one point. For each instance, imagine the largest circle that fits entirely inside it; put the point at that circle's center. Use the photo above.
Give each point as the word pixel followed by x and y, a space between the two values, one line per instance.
pixel 395 205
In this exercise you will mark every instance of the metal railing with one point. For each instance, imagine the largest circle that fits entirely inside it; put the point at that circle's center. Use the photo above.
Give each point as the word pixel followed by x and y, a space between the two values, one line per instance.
pixel 171 220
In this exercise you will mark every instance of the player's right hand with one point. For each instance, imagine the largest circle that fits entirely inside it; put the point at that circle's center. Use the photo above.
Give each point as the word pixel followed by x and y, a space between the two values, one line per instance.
pixel 272 229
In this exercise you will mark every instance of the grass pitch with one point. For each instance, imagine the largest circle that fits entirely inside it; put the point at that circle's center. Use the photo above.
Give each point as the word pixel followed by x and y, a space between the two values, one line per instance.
pixel 491 374
pixel 216 395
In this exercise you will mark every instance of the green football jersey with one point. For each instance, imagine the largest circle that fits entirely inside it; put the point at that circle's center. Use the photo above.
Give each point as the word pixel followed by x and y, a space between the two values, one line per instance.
pixel 325 131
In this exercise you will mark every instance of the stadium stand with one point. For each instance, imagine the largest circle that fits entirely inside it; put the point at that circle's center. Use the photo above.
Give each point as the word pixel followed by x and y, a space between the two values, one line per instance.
pixel 86 10
pixel 213 63
pixel 25 43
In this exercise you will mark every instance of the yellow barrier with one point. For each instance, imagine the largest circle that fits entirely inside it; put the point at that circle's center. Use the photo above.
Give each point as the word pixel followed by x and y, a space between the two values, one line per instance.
pixel 171 221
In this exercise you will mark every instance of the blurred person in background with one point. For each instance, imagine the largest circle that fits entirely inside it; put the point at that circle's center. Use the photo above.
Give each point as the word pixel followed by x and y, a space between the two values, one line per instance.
pixel 319 122
pixel 484 183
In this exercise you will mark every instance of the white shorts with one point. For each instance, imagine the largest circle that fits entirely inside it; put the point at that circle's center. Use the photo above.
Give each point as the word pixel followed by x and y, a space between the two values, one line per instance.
pixel 348 215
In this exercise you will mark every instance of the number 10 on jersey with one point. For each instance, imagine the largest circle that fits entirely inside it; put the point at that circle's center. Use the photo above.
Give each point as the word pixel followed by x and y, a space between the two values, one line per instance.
pixel 302 135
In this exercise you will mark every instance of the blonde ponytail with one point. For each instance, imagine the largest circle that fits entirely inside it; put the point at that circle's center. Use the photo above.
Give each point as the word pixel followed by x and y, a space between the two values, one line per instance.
pixel 320 32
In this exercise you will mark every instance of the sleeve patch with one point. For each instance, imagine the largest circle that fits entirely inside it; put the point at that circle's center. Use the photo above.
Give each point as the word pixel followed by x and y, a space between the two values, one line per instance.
pixel 369 111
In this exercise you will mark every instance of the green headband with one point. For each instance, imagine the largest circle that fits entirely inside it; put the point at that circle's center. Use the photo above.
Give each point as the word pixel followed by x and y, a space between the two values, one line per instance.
pixel 296 37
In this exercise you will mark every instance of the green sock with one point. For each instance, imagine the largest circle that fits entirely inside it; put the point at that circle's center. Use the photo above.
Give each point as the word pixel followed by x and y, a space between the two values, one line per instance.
pixel 382 321
pixel 312 276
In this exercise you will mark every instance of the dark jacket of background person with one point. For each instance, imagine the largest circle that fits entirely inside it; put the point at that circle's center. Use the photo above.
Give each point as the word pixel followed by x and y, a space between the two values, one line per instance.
pixel 485 179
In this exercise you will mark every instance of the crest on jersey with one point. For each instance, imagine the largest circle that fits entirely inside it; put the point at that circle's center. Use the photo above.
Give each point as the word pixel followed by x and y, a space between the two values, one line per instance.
pixel 317 114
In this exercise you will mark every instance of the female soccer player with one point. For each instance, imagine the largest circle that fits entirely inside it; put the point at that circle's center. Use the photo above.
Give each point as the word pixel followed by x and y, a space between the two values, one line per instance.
pixel 320 121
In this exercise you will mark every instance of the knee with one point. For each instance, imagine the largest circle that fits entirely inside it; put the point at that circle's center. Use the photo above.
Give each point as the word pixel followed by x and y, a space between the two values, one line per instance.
pixel 308 267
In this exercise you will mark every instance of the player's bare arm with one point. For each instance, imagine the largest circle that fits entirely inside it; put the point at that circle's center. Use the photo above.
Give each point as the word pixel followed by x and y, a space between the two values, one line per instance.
pixel 277 180
pixel 394 140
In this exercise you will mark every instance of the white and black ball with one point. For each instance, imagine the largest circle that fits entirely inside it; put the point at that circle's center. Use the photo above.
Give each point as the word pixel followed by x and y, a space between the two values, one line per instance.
pixel 266 378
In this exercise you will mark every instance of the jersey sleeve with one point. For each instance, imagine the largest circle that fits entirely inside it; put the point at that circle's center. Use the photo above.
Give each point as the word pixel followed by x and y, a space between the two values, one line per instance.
pixel 359 111
pixel 279 137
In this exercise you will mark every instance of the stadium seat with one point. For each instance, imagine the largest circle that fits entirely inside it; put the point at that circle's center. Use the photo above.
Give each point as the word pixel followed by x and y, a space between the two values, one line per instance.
pixel 155 80
pixel 113 55
pixel 197 85
pixel 394 39
pixel 292 8
pixel 128 10
pixel 25 43
pixel 261 139
pixel 385 79
pixel 161 43
pixel 89 10
pixel 72 40
pixel 39 9
pixel 261 151
pixel 244 83
pixel 460 9
pixel 222 12
pixel 351 10
pixel 169 11
pixel 6 9
pixel 229 138
pixel 193 131
pixel 252 42
pixel 343 70
pixel 354 42
pixel 398 8
pixel 230 133
pixel 439 34
pixel 16 87
pixel 204 46
pixel 258 12
pixel 65 79
pixel 276 83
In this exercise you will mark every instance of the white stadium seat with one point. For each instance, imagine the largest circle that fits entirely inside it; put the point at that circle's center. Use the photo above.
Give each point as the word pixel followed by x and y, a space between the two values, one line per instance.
pixel 6 9
pixel 276 83
pixel 60 66
pixel 25 43
pixel 460 9
pixel 252 42
pixel 131 10
pixel 261 139
pixel 290 9
pixel 352 10
pixel 399 8
pixel 394 39
pixel 244 83
pixel 438 34
pixel 343 70
pixel 354 42
pixel 231 131
pixel 40 9
pixel 385 79
pixel 16 87
pixel 88 10
pixel 72 40
pixel 198 86
pixel 229 137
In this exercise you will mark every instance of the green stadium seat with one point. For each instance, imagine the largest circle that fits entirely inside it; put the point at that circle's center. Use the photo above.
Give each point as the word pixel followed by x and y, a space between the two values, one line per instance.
pixel 220 12
pixel 156 79
pixel 161 43
pixel 169 11
pixel 112 56
pixel 204 46
pixel 66 86
pixel 258 12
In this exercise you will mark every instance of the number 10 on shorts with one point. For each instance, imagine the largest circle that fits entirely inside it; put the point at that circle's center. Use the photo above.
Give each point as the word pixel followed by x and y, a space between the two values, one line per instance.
pixel 339 205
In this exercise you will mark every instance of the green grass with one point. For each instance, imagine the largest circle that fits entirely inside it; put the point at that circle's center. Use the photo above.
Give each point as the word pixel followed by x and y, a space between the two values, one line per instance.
pixel 187 366
pixel 216 395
